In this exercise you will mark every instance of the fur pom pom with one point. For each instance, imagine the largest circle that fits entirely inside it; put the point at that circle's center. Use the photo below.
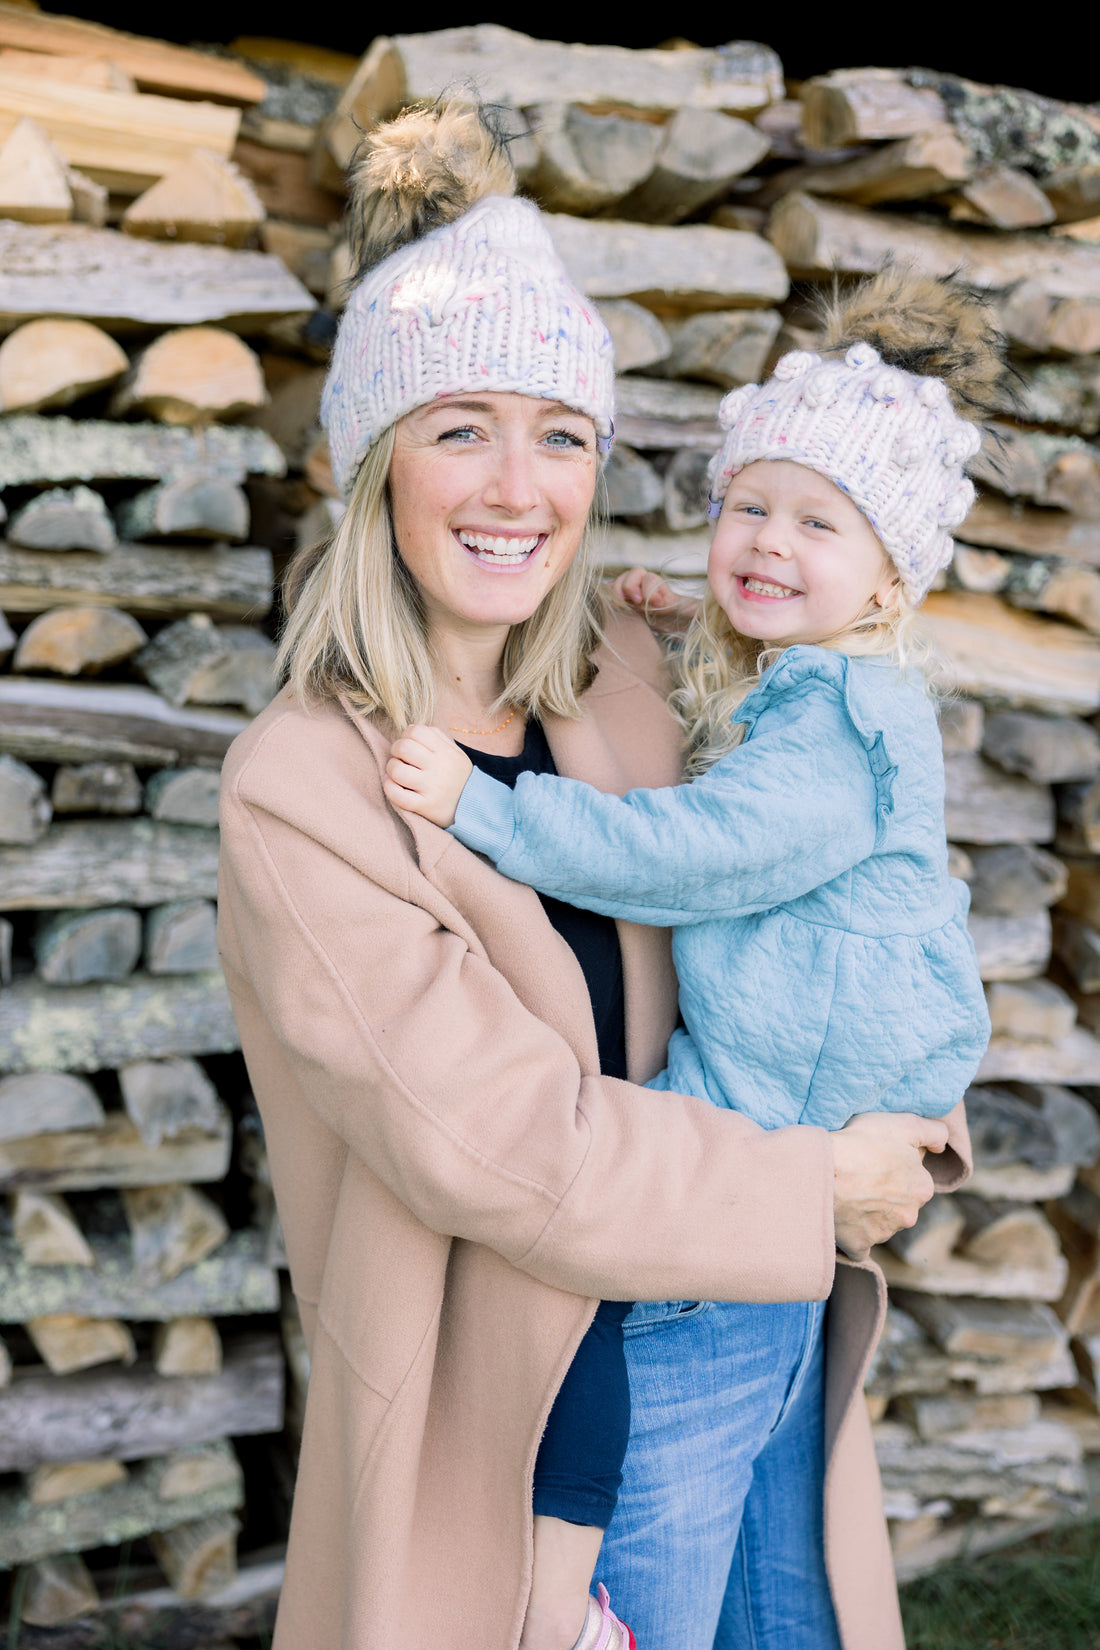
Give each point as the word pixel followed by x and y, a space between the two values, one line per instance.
pixel 423 169
pixel 924 324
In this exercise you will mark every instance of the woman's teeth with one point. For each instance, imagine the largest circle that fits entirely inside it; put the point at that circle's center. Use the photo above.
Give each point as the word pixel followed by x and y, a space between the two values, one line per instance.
pixel 500 550
pixel 761 587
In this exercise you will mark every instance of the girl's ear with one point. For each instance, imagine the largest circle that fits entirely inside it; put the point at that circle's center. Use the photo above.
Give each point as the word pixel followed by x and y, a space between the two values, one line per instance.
pixel 888 593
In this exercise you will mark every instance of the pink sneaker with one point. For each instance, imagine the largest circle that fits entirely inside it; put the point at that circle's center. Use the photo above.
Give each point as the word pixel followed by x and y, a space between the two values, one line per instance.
pixel 603 1630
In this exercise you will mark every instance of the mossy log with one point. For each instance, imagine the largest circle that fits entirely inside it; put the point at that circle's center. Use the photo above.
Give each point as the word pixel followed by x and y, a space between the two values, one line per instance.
pixel 83 721
pixel 166 1098
pixel 96 788
pixel 92 862
pixel 124 284
pixel 231 584
pixel 34 451
pixel 235 1281
pixel 135 1413
pixel 90 1027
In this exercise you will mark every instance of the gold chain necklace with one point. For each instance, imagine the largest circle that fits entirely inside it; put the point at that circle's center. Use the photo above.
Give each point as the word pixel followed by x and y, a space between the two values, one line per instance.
pixel 483 733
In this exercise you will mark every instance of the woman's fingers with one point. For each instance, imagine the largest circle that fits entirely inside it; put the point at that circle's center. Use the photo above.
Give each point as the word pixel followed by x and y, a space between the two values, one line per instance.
pixel 880 1183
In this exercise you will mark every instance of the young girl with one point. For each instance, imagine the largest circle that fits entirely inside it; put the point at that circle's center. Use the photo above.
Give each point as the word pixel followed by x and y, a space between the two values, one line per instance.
pixel 824 962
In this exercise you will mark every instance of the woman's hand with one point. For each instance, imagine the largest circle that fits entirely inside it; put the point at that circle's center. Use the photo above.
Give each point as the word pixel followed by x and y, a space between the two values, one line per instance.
pixel 663 610
pixel 426 774
pixel 879 1179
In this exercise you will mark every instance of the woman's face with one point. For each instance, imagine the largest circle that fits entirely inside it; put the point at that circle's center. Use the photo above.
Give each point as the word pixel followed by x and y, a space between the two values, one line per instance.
pixel 490 493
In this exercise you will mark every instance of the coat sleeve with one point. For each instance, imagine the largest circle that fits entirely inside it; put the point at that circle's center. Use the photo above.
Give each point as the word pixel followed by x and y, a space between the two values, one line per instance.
pixel 782 814
pixel 418 1055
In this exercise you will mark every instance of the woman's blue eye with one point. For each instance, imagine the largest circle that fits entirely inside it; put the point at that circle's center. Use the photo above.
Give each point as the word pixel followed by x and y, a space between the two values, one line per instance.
pixel 752 509
pixel 564 438
pixel 455 434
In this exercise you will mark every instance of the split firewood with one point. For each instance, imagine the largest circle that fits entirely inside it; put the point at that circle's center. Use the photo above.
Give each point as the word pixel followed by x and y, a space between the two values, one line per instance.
pixel 1007 1234
pixel 169 1098
pixel 940 1414
pixel 88 1027
pixel 1063 393
pixel 237 1279
pixel 1078 947
pixel 1078 819
pixel 1045 320
pixel 1013 526
pixel 199 1558
pixel 47 721
pixel 1050 469
pixel 57 1589
pixel 67 1343
pixel 96 788
pixel 78 70
pixel 817 237
pixel 673 269
pixel 857 105
pixel 702 153
pixel 7 935
pixel 193 1471
pixel 193 376
pixel 633 487
pixel 119 281
pixel 203 197
pixel 195 662
pixel 1030 1010
pixel 638 336
pixel 47 1102
pixel 79 641
pixel 933 1237
pixel 721 348
pixel 125 140
pixel 135 1414
pixel 1019 658
pixel 586 161
pixel 1003 197
pixel 1082 895
pixel 184 796
pixel 155 66
pixel 33 185
pixel 232 583
pixel 1011 948
pixel 181 938
pixel 913 168
pixel 661 413
pixel 75 947
pixel 64 518
pixel 985 571
pixel 25 810
pixel 1075 1059
pixel 670 554
pixel 306 250
pixel 47 1485
pixel 197 507
pixel 172 1227
pixel 288 186
pixel 685 490
pixel 1047 749
pixel 1087 230
pixel 187 1346
pixel 515 70
pixel 962 725
pixel 47 1232
pixel 111 1153
pixel 960 1275
pixel 1074 192
pixel 38 450
pixel 986 805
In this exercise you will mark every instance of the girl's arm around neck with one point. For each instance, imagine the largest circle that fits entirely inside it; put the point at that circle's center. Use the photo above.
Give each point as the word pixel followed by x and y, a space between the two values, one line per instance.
pixel 787 811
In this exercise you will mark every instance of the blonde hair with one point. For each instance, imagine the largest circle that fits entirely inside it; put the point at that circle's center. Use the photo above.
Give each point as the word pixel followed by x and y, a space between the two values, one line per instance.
pixel 717 667
pixel 356 624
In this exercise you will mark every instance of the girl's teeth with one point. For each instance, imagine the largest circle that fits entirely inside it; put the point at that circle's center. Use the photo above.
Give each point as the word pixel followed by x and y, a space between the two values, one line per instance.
pixel 498 549
pixel 760 588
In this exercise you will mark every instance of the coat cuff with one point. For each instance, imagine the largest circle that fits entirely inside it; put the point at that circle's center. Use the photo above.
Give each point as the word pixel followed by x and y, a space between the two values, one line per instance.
pixel 485 819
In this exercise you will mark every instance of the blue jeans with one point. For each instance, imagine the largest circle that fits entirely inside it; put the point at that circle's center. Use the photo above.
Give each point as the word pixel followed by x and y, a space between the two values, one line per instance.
pixel 717 1541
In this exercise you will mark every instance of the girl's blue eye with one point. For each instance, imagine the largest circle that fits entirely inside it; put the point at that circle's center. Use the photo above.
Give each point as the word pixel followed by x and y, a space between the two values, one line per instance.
pixel 814 521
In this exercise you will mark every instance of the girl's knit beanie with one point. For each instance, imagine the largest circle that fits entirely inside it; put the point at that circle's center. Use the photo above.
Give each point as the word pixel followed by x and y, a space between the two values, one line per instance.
pixel 881 413
pixel 459 288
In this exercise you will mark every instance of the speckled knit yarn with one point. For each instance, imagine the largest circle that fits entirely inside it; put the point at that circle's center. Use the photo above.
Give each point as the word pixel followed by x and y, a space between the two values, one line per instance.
pixel 889 439
pixel 483 303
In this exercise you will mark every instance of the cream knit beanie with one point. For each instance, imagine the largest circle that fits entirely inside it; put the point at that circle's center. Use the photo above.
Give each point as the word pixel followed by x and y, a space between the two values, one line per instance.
pixel 887 436
pixel 463 290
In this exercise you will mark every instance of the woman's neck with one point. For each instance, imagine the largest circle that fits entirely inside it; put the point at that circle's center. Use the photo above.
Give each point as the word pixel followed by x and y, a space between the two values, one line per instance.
pixel 470 680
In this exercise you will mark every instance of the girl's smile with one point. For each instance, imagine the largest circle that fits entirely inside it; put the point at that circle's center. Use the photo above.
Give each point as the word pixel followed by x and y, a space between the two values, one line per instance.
pixel 793 559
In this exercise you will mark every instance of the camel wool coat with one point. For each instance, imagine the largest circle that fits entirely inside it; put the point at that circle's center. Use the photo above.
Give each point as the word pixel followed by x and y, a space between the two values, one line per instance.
pixel 459 1186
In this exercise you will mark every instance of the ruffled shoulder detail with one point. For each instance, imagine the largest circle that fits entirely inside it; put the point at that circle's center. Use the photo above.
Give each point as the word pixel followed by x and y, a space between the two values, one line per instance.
pixel 863 689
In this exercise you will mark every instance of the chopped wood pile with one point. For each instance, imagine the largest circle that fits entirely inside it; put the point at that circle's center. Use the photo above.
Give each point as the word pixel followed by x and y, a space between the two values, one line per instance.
pixel 171 272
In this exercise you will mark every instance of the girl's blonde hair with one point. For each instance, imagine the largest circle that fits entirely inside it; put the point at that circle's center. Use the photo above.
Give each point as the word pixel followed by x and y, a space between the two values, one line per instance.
pixel 716 667
pixel 356 624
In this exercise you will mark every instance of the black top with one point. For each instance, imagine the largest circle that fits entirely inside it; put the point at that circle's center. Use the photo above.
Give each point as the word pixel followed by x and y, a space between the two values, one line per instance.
pixel 593 938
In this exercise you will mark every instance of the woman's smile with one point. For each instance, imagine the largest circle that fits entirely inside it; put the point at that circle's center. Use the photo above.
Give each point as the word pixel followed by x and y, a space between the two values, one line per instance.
pixel 500 551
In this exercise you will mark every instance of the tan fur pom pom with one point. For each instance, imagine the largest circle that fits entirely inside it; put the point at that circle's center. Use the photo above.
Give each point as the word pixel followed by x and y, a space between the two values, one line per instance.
pixel 423 169
pixel 926 325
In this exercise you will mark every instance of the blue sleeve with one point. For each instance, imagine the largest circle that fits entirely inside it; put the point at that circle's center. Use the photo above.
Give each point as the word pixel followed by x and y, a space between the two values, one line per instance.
pixel 789 810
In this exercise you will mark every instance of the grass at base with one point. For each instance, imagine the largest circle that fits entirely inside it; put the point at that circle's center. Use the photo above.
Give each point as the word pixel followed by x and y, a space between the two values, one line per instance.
pixel 1042 1595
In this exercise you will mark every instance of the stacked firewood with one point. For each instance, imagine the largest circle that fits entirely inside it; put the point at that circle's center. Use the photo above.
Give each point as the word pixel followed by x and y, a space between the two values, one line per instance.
pixel 171 273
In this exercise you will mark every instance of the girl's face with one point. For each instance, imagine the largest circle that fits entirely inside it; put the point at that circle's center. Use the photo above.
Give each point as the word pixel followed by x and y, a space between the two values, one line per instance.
pixel 793 559
pixel 490 493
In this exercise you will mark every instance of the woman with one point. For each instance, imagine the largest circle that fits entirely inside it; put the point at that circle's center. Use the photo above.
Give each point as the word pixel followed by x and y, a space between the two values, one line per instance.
pixel 459 1185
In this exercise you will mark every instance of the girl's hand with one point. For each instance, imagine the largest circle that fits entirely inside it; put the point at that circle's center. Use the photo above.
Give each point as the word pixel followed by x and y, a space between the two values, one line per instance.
pixel 426 774
pixel 663 610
